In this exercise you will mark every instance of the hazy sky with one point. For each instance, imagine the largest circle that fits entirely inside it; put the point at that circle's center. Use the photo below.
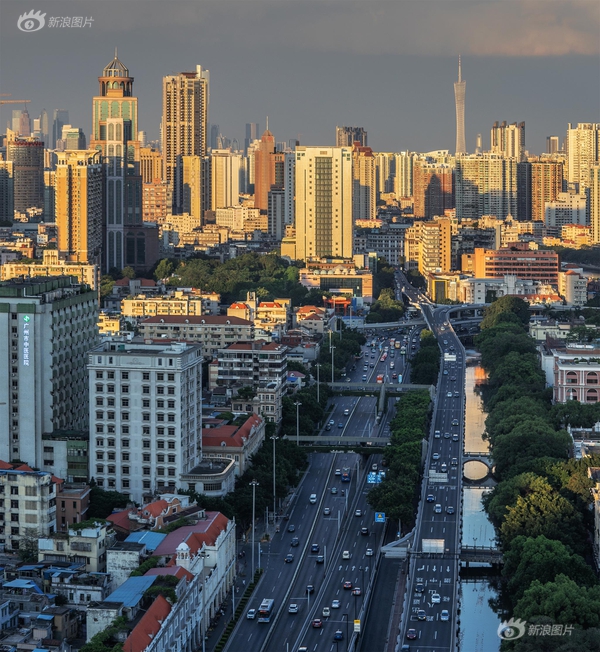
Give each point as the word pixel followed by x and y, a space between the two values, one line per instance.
pixel 313 64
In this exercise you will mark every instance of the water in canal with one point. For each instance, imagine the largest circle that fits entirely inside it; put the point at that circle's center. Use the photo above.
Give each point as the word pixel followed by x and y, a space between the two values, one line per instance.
pixel 478 622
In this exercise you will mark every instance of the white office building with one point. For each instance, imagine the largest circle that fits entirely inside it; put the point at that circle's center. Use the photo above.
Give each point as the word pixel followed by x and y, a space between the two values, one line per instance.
pixel 145 416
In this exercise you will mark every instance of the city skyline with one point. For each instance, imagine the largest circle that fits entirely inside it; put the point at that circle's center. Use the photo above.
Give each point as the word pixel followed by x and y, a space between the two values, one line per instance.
pixel 398 89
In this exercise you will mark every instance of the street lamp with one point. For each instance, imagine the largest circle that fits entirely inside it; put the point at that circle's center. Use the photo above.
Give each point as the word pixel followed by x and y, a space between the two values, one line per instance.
pixel 297 404
pixel 274 439
pixel 253 484
pixel 332 365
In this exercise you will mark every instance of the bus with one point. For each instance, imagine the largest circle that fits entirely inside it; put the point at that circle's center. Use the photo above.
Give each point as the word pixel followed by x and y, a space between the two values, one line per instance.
pixel 397 344
pixel 265 610
pixel 346 474
pixel 380 378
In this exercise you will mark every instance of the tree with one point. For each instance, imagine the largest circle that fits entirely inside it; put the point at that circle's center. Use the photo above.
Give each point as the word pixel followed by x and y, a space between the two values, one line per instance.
pixel 528 559
pixel 247 393
pixel 102 503
pixel 562 600
pixel 128 272
pixel 506 304
pixel 164 269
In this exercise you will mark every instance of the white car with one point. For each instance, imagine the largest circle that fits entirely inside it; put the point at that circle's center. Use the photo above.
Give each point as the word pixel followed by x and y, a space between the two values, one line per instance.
pixel 346 413
pixel 251 615
pixel 335 604
pixel 369 552
pixel 346 554
pixel 449 394
pixel 435 598
pixel 326 612
pixel 444 615
pixel 293 609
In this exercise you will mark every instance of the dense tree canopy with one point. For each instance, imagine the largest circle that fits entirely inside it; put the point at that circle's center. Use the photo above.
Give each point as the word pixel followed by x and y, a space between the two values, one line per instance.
pixel 497 311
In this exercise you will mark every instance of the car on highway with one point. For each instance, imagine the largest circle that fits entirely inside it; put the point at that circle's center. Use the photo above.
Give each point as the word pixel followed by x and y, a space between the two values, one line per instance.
pixel 335 604
pixel 449 509
pixel 293 609
pixel 348 586
pixel 411 634
pixel 435 598
pixel 454 461
pixel 356 590
pixel 317 623
pixel 438 508
pixel 331 422
pixel 291 528
pixel 338 472
pixel 456 394
pixel 394 376
pixel 358 512
pixel 454 437
pixel 340 425
pixel 372 365
pixel 444 467
pixel 346 413
pixel 315 547
pixel 295 542
pixel 326 612
pixel 445 341
pixel 430 498
pixel 328 427
pixel 445 616
pixel 374 467
pixel 454 422
pixel 436 456
pixel 421 615
pixel 446 435
pixel 369 552
pixel 449 394
pixel 338 636
pixel 320 559
pixel 366 367
pixel 334 490
pixel 437 434
pixel 327 511
pixel 346 554
pixel 364 531
pixel 419 588
pixel 310 588
pixel 251 615
pixel 289 558
pixel 452 377
pixel 445 372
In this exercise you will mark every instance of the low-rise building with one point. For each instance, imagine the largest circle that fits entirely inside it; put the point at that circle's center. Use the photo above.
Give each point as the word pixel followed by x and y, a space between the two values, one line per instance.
pixel 181 302
pixel 577 374
pixel 213 332
pixel 72 504
pixel 79 589
pixel 338 278
pixel 572 286
pixel 27 506
pixel 122 558
pixel 84 543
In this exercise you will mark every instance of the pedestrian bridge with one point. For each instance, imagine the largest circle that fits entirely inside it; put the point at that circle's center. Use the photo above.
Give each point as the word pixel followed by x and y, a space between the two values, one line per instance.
pixel 481 554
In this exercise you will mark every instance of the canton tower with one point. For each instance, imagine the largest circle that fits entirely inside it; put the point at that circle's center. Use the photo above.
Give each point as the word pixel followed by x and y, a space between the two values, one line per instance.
pixel 459 98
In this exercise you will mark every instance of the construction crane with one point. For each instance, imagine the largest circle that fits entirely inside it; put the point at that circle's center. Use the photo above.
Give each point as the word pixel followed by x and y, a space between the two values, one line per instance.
pixel 11 101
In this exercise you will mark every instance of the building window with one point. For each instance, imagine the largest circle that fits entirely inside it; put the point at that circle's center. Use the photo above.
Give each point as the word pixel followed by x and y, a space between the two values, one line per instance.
pixel 160 403
pixel 124 375
pixel 99 468
pixel 124 430
pixel 110 389
pixel 171 404
pixel 160 471
pixel 125 484
pixel 111 469
pixel 145 389
pixel 124 402
pixel 146 443
pixel 171 459
pixel 171 377
pixel 160 389
pixel 99 442
pixel 124 389
pixel 146 416
pixel 99 375
pixel 160 416
pixel 99 388
pixel 145 430
pixel 145 376
pixel 146 457
pixel 146 470
pixel 110 415
pixel 160 444
pixel 160 430
pixel 171 391
pixel 172 432
pixel 99 455
pixel 172 473
pixel 99 401
pixel 124 416
pixel 99 428
pixel 125 457
pixel 125 443
pixel 160 376
pixel 160 458
pixel 125 470
pixel 110 374
pixel 146 484
pixel 171 418
pixel 171 445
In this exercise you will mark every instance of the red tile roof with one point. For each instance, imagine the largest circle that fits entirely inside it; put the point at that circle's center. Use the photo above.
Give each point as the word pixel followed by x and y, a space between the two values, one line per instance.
pixel 156 508
pixel 204 531
pixel 142 634
pixel 121 519
pixel 5 465
pixel 231 435
pixel 177 571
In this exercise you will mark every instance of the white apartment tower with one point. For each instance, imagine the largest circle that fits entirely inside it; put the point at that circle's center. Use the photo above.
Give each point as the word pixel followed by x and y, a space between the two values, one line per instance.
pixel 184 125
pixel 364 191
pixel 323 202
pixel 145 415
pixel 225 168
pixel 508 140
pixel 47 326
pixel 583 151
pixel 595 203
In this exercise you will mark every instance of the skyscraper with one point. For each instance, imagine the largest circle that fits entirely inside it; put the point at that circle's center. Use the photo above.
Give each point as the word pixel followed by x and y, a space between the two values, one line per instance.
pixel 403 181
pixel 364 196
pixel 583 151
pixel 214 136
pixel 7 206
pixel 184 125
pixel 347 136
pixel 60 118
pixel 78 192
pixel 25 124
pixel 252 132
pixel 595 203
pixel 114 133
pixel 546 183
pixel 460 88
pixel 323 202
pixel 27 155
pixel 433 188
pixel 552 144
pixel 225 168
pixel 264 170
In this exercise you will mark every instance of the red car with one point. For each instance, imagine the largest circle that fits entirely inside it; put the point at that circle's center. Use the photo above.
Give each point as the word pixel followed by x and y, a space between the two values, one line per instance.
pixel 317 623
pixel 347 585
pixel 411 634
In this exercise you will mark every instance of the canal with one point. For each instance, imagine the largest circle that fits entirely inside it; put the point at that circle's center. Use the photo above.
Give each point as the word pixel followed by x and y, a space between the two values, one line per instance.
pixel 478 622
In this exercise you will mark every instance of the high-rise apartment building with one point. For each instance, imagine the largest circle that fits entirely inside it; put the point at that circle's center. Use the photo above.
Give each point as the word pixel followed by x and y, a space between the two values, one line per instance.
pixel 508 140
pixel 347 136
pixel 552 144
pixel 184 125
pixel 7 203
pixel 323 202
pixel 225 169
pixel 151 164
pixel 595 203
pixel 47 326
pixel 583 151
pixel 114 133
pixel 486 185
pixel 567 208
pixel 364 195
pixel 460 89
pixel 385 166
pixel 145 415
pixel 403 180
pixel 433 188
pixel 45 128
pixel 27 156
pixel 192 185
pixel 546 183
pixel 435 252
pixel 78 192
pixel 25 124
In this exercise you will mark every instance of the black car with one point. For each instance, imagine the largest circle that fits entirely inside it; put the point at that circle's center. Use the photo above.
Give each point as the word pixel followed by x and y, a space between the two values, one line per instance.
pixel 364 531
pixel 295 542
pixel 320 559
pixel 310 588
pixel 289 558
pixel 315 547
pixel 291 528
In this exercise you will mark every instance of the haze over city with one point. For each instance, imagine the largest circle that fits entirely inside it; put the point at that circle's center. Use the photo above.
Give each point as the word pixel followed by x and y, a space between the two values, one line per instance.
pixel 312 65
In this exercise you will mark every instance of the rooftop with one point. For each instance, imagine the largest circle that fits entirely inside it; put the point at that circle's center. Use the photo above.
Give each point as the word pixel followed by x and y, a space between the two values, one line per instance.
pixel 130 593
pixel 194 320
